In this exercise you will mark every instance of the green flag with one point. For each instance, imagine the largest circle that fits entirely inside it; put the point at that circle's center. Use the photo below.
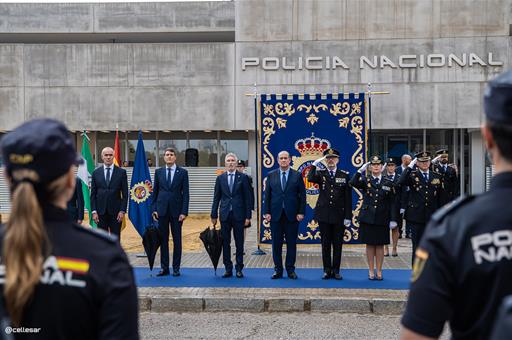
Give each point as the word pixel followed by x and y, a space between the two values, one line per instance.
pixel 84 173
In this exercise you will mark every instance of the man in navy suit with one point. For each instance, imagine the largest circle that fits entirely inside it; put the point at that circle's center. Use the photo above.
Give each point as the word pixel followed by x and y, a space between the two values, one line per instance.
pixel 170 205
pixel 283 207
pixel 232 193
pixel 109 194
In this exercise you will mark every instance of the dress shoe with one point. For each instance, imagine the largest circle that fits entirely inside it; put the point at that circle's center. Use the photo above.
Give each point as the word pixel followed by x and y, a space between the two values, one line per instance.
pixel 176 273
pixel 338 276
pixel 227 274
pixel 163 273
pixel 326 276
pixel 277 275
pixel 292 276
pixel 239 274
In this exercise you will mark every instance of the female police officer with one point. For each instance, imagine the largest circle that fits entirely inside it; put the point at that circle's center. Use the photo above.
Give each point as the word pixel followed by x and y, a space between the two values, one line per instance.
pixel 377 212
pixel 60 280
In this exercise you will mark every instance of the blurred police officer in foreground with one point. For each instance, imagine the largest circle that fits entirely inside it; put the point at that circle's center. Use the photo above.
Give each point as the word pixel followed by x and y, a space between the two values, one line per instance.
pixel 449 176
pixel 463 266
pixel 423 195
pixel 333 210
pixel 67 281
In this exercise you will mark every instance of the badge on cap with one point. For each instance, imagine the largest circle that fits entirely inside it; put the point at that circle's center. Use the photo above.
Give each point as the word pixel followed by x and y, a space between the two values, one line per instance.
pixel 20 159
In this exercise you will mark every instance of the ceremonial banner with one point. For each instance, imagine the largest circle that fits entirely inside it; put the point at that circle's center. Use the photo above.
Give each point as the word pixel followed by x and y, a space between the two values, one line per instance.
pixel 305 126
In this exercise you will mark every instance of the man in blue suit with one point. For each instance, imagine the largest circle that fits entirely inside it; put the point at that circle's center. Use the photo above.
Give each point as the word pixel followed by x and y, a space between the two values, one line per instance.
pixel 170 206
pixel 283 207
pixel 233 194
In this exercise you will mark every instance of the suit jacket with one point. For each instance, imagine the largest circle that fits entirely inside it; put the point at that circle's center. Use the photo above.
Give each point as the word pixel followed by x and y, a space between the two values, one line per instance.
pixel 292 199
pixel 399 195
pixel 75 206
pixel 450 183
pixel 379 200
pixel 109 199
pixel 238 201
pixel 422 197
pixel 171 200
pixel 334 202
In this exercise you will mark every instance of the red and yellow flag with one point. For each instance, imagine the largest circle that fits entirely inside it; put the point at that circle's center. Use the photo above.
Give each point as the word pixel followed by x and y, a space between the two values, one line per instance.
pixel 117 151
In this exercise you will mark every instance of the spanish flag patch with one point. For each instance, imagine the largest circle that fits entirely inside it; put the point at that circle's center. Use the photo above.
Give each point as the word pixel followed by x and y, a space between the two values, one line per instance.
pixel 419 263
pixel 78 266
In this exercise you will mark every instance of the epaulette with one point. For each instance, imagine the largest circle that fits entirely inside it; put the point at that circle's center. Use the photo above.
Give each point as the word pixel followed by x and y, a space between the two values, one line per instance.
pixel 440 214
pixel 96 232
pixel 345 172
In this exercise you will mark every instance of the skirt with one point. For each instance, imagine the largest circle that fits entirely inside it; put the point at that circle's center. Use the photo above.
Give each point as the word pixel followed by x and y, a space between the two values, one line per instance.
pixel 373 234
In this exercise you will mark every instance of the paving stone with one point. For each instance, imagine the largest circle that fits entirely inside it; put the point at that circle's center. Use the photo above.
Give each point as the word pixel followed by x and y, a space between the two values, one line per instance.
pixel 254 305
pixel 285 305
pixel 144 303
pixel 340 305
pixel 388 306
pixel 164 304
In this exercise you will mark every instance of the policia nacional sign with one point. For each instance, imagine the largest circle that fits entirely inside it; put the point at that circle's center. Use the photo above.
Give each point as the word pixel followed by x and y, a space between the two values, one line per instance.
pixel 404 61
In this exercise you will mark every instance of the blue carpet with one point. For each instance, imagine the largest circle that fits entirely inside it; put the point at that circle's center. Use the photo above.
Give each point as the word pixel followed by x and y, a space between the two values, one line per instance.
pixel 260 278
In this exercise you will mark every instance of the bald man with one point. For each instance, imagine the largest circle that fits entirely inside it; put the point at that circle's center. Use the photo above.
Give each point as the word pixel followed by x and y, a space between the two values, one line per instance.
pixel 109 194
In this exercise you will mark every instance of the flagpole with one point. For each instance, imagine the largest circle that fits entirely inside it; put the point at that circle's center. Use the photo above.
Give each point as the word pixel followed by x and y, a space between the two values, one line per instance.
pixel 370 118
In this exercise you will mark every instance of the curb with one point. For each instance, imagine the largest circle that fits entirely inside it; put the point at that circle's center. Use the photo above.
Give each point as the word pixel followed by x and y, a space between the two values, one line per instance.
pixel 164 304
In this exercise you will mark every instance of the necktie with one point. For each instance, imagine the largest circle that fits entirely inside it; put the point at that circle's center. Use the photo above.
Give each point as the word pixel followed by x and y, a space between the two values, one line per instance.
pixel 107 179
pixel 169 178
pixel 425 176
pixel 332 173
pixel 283 181
pixel 376 181
pixel 230 182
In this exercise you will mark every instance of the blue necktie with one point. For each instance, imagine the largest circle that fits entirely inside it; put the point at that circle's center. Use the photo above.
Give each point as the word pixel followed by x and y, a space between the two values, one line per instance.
pixel 108 177
pixel 332 173
pixel 230 183
pixel 169 178
pixel 425 177
pixel 283 181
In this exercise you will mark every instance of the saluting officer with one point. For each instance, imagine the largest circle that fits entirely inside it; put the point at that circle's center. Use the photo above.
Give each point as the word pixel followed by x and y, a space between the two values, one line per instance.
pixel 425 187
pixel 463 266
pixel 57 277
pixel 448 174
pixel 333 210
pixel 377 214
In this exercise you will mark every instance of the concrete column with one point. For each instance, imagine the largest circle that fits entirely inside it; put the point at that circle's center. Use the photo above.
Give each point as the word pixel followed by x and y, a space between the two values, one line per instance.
pixel 477 165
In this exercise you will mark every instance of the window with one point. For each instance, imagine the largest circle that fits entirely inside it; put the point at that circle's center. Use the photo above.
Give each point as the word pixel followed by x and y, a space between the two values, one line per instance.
pixel 175 140
pixel 206 145
pixel 236 142
pixel 149 139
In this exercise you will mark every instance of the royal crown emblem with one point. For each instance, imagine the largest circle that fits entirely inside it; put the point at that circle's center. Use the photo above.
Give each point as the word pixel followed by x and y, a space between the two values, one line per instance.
pixel 141 191
pixel 312 145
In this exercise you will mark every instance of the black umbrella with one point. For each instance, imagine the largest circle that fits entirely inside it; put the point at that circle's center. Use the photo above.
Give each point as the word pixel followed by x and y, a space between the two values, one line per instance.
pixel 151 241
pixel 212 240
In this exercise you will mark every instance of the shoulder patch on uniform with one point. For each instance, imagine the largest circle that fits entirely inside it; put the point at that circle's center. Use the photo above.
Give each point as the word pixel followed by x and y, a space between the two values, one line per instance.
pixel 96 232
pixel 344 172
pixel 450 207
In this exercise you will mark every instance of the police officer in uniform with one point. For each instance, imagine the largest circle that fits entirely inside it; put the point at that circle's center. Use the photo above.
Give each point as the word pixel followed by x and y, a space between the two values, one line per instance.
pixel 333 210
pixel 463 266
pixel 448 174
pixel 393 176
pixel 425 187
pixel 377 214
pixel 60 279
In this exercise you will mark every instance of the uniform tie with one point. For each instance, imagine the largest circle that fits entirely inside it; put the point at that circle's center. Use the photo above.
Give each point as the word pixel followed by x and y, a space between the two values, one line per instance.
pixel 425 176
pixel 332 173
pixel 107 179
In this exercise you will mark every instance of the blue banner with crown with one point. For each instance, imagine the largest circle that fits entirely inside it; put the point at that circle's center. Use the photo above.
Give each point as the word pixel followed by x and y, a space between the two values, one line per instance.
pixel 305 126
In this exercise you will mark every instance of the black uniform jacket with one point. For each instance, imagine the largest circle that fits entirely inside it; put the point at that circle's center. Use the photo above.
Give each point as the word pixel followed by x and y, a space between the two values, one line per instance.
pixel 463 267
pixel 423 198
pixel 334 202
pixel 378 200
pixel 450 183
pixel 87 288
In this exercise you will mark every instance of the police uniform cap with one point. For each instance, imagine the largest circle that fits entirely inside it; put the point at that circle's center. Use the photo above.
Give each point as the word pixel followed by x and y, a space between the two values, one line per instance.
pixel 498 99
pixel 331 153
pixel 391 160
pixel 42 145
pixel 375 160
pixel 240 162
pixel 423 156
pixel 443 152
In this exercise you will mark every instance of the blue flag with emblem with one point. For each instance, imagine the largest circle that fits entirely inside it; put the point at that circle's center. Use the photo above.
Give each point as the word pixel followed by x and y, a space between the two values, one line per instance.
pixel 141 189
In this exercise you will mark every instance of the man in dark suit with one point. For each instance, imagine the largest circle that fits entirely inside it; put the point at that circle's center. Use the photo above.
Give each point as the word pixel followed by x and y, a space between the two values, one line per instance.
pixel 284 207
pixel 75 207
pixel 333 210
pixel 392 175
pixel 449 177
pixel 170 206
pixel 402 193
pixel 232 193
pixel 109 194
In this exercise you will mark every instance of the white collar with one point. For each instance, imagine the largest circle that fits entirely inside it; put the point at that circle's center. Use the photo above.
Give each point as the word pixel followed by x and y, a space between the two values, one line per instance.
pixel 173 167
pixel 334 170
pixel 108 167
pixel 378 177
pixel 231 173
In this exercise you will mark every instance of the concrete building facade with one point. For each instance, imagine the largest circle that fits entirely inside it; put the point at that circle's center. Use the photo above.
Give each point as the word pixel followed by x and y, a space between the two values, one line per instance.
pixel 181 71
